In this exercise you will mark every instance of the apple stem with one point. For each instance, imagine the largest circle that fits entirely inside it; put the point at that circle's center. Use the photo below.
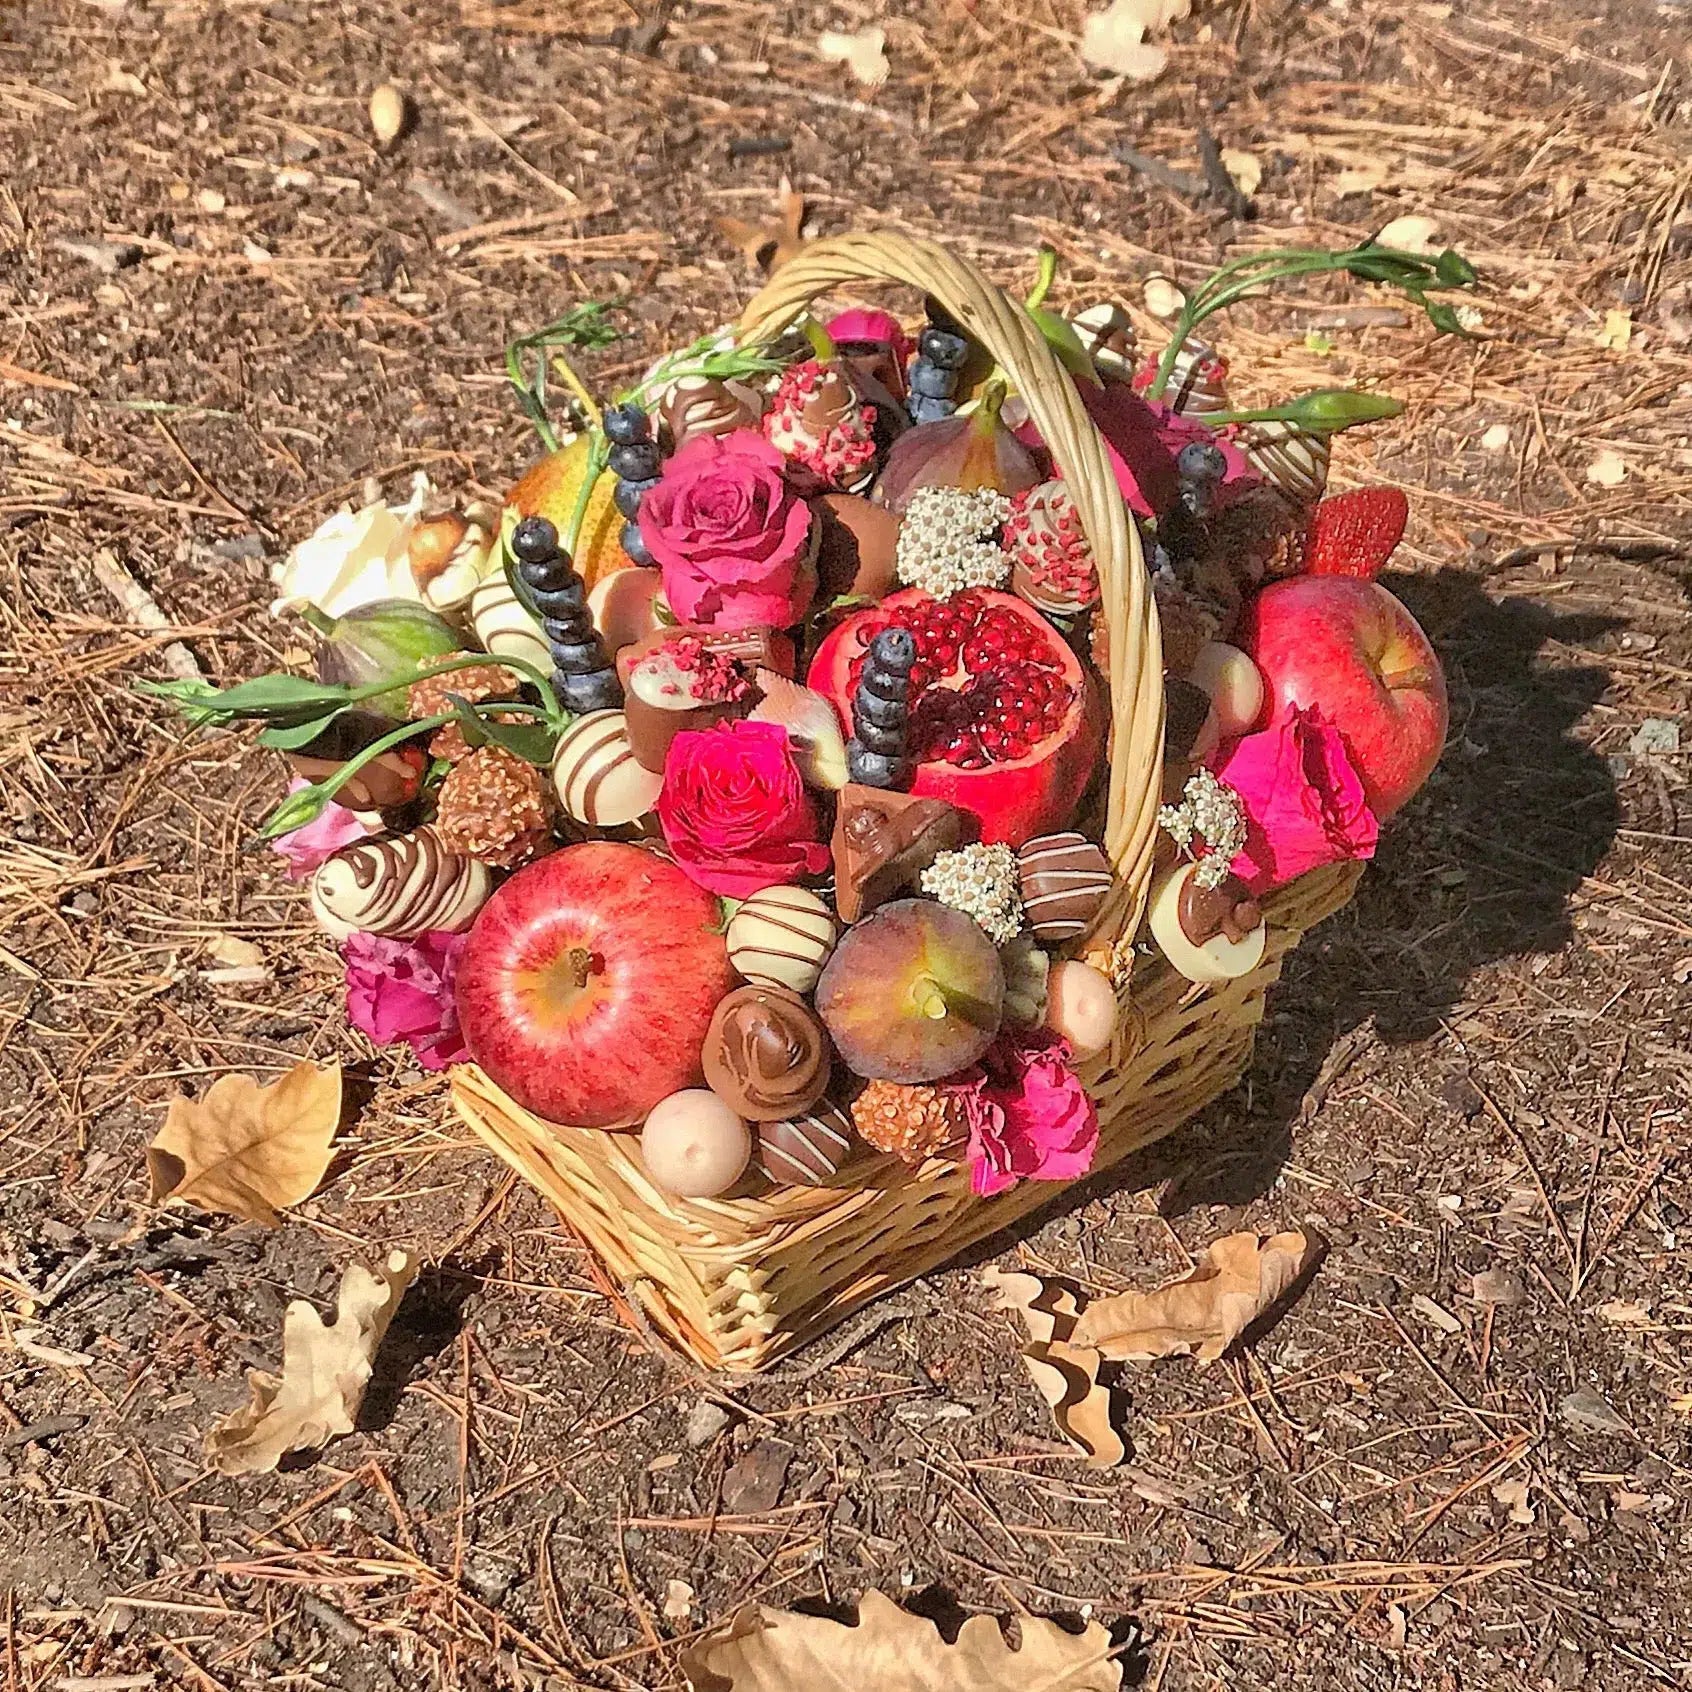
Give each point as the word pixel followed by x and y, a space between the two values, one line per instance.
pixel 579 961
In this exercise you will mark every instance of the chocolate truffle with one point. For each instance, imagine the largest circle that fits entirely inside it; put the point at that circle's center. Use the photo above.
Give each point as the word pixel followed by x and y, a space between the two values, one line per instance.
pixel 808 1148
pixel 399 886
pixel 1064 879
pixel 598 780
pixel 694 1145
pixel 766 1053
pixel 1208 934
pixel 679 683
pixel 782 937
pixel 884 840
pixel 856 546
pixel 1081 1006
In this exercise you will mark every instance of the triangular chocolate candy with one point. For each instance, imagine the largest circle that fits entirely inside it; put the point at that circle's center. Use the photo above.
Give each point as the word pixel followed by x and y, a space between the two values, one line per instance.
pixel 883 840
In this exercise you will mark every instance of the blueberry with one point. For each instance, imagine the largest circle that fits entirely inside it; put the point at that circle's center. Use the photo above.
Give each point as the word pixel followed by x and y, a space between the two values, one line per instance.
pixel 932 381
pixel 629 494
pixel 635 546
pixel 625 424
pixel 534 541
pixel 543 574
pixel 942 347
pixel 922 409
pixel 875 711
pixel 893 649
pixel 874 769
pixel 637 461
pixel 1201 462
pixel 560 605
pixel 599 691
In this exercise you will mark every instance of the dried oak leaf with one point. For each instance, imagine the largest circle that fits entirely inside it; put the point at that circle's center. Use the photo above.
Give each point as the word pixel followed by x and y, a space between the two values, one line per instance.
pixel 325 1369
pixel 890 1650
pixel 768 246
pixel 1066 1375
pixel 1201 1315
pixel 246 1149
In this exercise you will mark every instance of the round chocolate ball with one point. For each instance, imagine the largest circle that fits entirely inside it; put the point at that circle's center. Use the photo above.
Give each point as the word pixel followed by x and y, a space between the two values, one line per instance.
pixel 693 1144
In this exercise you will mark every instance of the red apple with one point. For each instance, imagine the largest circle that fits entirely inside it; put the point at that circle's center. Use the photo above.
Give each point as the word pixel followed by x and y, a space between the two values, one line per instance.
pixel 588 984
pixel 1353 651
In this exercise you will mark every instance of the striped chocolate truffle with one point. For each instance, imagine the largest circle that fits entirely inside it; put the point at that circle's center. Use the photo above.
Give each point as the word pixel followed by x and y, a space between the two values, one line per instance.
pixel 1294 459
pixel 808 1149
pixel 598 780
pixel 399 886
pixel 782 937
pixel 1064 879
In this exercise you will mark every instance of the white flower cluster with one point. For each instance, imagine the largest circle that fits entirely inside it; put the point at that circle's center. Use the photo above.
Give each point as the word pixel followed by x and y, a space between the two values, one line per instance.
pixel 980 881
pixel 1212 811
pixel 944 541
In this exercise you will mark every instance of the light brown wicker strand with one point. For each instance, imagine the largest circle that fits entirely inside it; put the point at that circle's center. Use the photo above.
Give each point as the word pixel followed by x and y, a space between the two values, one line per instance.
pixel 1006 330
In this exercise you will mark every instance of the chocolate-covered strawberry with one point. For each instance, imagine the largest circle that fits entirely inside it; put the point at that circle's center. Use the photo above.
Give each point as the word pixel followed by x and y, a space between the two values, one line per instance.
pixel 819 421
pixel 878 755
pixel 583 676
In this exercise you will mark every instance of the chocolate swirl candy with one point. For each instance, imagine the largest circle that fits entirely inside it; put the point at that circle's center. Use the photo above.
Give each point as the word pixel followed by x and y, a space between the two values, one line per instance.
pixel 399 886
pixel 1064 879
pixel 766 1054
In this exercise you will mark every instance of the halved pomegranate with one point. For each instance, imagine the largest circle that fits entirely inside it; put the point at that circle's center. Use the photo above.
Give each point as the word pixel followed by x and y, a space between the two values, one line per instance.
pixel 1006 723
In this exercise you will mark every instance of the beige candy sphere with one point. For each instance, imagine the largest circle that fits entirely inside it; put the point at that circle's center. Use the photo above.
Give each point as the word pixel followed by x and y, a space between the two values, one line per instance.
pixel 1235 686
pixel 694 1145
pixel 1081 1006
pixel 782 937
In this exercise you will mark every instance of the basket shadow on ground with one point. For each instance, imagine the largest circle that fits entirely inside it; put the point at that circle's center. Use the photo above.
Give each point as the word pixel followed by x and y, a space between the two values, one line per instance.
pixel 1478 869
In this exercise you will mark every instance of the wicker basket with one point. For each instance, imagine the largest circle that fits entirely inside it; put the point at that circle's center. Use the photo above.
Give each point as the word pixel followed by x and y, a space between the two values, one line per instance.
pixel 736 1282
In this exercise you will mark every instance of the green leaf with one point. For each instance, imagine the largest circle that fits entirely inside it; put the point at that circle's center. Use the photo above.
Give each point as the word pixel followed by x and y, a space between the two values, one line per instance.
pixel 281 698
pixel 290 737
pixel 1063 340
pixel 1455 271
pixel 1328 409
pixel 529 741
pixel 1444 318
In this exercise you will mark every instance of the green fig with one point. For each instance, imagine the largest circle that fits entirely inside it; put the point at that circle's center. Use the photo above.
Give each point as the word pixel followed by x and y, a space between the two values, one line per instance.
pixel 386 640
pixel 971 451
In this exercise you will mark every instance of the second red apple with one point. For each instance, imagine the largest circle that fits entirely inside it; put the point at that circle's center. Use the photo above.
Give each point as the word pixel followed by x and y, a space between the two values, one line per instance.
pixel 1353 651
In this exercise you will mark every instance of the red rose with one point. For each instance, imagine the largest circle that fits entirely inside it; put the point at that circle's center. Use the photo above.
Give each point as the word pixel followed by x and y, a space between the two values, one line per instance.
pixel 732 539
pixel 734 811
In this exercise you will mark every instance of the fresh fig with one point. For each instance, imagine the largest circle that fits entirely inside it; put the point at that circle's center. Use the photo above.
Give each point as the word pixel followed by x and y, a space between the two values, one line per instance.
pixel 968 452
pixel 384 641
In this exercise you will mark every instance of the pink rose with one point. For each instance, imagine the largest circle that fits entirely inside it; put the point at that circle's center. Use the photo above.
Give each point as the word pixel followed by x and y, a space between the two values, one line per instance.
pixel 732 539
pixel 1030 1118
pixel 1303 800
pixel 403 990
pixel 331 829
pixel 734 811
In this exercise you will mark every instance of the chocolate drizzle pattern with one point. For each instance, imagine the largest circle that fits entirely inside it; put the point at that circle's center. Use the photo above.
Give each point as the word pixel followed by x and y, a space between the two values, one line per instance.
pixel 399 886
pixel 766 1053
pixel 782 937
pixel 596 774
pixel 1064 879
pixel 808 1148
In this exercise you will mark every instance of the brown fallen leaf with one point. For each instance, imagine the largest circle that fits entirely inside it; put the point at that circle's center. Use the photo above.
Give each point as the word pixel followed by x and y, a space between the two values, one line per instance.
pixel 1201 1315
pixel 768 246
pixel 325 1369
pixel 1066 1375
pixel 890 1650
pixel 246 1149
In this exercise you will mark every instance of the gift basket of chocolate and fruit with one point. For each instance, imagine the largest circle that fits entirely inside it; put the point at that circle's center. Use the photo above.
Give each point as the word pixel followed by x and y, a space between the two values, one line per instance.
pixel 864 780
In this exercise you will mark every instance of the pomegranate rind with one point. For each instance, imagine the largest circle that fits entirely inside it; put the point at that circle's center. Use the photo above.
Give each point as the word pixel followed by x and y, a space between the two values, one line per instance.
pixel 1014 800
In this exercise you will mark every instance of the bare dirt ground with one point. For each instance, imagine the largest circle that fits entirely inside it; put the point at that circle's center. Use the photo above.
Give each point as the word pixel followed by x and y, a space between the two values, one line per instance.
pixel 224 309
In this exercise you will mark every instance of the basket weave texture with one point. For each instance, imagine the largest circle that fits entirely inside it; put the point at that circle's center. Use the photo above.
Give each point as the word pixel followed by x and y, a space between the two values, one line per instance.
pixel 737 1282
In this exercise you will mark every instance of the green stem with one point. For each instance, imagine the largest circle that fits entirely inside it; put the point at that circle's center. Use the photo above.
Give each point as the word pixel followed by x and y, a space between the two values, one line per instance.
pixel 822 343
pixel 589 405
pixel 598 452
pixel 324 624
pixel 1043 279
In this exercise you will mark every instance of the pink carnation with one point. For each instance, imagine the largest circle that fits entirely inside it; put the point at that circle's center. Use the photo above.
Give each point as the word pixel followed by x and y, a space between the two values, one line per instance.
pixel 1030 1118
pixel 403 990
pixel 308 845
pixel 1303 800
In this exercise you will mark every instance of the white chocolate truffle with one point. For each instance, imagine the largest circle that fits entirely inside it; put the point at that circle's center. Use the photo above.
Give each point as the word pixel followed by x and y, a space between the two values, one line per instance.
pixel 1235 686
pixel 1081 1006
pixel 693 1144
pixel 598 780
pixel 782 937
pixel 1216 959
pixel 398 886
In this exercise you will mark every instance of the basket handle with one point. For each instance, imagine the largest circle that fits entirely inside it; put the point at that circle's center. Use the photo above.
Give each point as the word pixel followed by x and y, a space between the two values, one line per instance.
pixel 1005 329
